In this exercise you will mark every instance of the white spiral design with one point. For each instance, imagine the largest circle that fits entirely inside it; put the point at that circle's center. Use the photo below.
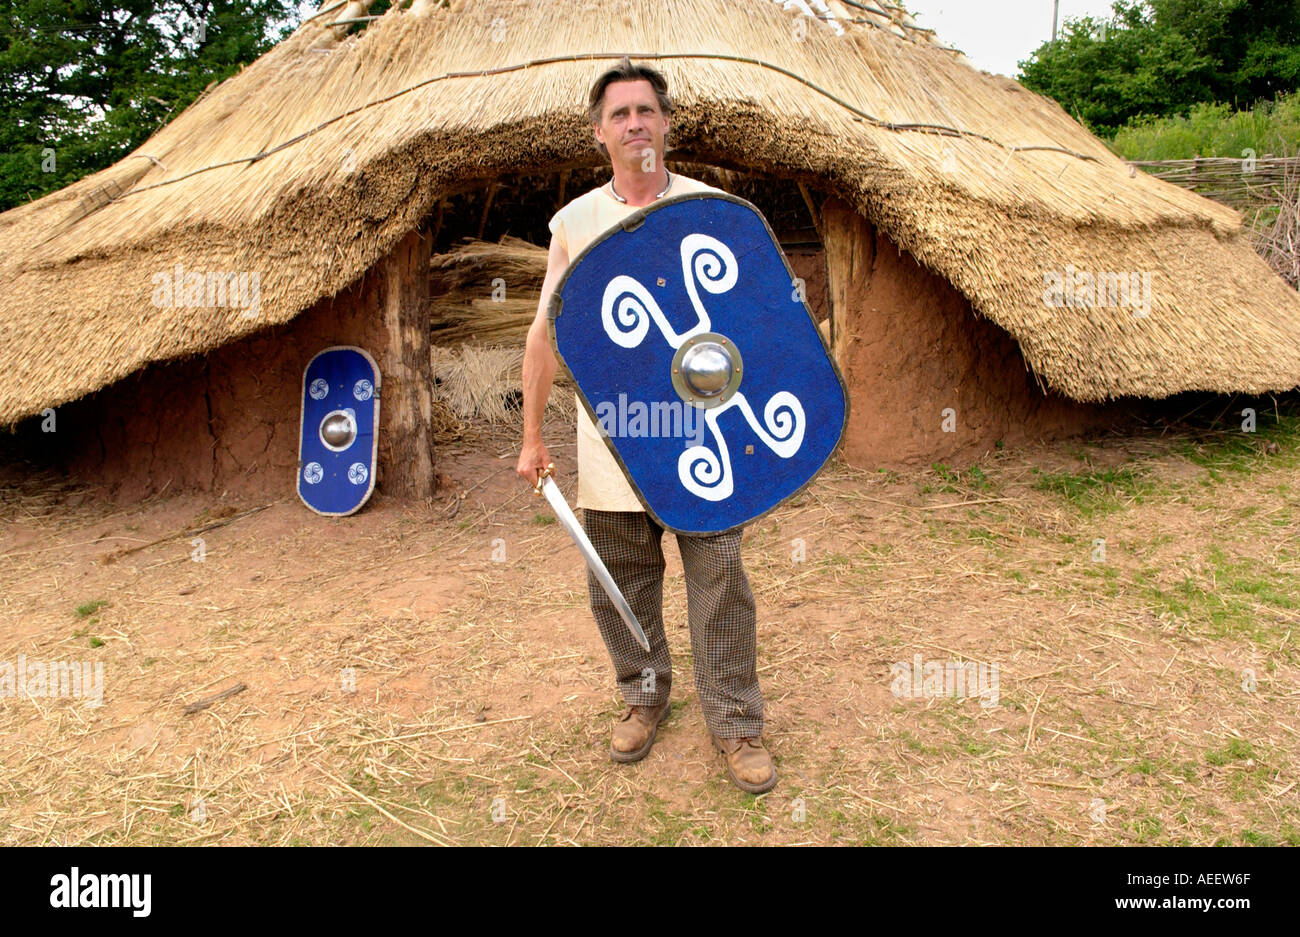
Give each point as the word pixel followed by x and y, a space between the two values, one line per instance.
pixel 627 307
pixel 711 264
pixel 625 311
pixel 358 473
pixel 703 472
pixel 319 388
pixel 312 473
pixel 363 389
pixel 783 423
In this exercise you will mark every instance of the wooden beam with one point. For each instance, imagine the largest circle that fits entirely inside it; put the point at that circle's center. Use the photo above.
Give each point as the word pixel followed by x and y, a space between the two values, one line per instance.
pixel 850 244
pixel 406 404
pixel 437 225
pixel 812 209
pixel 487 207
pixel 564 183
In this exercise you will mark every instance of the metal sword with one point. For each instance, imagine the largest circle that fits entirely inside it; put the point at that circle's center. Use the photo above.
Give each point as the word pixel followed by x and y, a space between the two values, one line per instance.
pixel 547 488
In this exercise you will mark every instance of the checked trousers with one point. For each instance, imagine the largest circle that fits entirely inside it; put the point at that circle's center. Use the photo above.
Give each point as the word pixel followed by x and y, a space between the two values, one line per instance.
pixel 720 607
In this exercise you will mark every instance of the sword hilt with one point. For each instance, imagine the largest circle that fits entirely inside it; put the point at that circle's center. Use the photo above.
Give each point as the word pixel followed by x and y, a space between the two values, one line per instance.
pixel 542 476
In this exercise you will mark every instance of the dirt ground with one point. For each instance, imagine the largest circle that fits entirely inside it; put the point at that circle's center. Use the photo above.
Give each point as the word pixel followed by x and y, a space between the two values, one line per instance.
pixel 1149 695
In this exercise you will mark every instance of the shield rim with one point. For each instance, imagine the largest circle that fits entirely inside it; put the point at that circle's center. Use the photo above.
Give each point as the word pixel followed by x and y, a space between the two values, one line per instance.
pixel 374 439
pixel 555 307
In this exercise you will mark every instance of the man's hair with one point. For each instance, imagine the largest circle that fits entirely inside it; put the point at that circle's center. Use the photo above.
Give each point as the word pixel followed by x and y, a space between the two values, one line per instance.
pixel 626 71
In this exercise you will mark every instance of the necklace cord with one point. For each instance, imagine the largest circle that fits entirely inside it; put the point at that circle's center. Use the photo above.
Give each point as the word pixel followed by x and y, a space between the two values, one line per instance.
pixel 614 191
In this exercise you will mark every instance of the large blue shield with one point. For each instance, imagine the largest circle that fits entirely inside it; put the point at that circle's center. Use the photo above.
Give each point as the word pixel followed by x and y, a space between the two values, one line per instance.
pixel 339 431
pixel 695 354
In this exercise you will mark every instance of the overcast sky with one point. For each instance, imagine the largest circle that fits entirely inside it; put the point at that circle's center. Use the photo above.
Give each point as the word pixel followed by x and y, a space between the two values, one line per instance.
pixel 998 34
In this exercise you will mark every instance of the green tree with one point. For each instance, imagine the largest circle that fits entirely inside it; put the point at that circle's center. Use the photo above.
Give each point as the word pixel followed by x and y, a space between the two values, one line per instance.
pixel 1157 58
pixel 84 82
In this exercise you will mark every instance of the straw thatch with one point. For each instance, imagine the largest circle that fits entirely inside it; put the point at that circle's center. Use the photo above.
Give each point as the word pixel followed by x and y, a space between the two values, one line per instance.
pixel 481 382
pixel 309 166
pixel 469 298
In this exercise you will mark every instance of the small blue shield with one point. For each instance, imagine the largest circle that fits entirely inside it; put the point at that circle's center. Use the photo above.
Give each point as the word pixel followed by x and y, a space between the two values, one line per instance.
pixel 695 353
pixel 339 431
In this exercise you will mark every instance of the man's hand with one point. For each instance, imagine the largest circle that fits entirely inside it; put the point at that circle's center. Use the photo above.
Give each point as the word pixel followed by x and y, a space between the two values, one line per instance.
pixel 533 457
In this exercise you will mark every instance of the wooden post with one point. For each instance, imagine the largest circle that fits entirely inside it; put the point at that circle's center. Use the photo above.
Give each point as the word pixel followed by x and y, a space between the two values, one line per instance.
pixel 406 401
pixel 850 245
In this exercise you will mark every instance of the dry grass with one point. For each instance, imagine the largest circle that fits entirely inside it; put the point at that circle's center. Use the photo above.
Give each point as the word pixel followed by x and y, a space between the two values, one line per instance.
pixel 483 693
pixel 486 293
pixel 481 382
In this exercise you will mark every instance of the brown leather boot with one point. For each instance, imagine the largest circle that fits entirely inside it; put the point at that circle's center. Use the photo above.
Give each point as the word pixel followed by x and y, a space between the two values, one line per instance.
pixel 635 730
pixel 748 763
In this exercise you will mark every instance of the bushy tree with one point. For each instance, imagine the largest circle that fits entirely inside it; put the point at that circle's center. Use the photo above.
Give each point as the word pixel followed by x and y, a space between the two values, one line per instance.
pixel 1157 58
pixel 84 82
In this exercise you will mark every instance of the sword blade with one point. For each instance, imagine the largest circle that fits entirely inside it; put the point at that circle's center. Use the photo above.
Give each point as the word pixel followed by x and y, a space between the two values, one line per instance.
pixel 570 523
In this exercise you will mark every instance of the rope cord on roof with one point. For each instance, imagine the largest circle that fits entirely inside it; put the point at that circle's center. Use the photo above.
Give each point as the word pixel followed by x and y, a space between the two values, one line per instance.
pixel 902 24
pixel 937 129
pixel 323 10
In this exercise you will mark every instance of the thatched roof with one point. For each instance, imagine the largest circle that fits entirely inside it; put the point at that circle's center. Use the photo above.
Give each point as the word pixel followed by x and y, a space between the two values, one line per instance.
pixel 308 167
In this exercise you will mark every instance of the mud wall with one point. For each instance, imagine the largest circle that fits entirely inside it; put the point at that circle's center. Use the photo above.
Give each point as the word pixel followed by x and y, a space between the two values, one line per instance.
pixel 910 347
pixel 225 423
pixel 810 266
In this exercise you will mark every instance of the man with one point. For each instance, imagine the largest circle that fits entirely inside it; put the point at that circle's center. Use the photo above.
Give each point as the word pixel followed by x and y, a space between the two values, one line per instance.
pixel 629 107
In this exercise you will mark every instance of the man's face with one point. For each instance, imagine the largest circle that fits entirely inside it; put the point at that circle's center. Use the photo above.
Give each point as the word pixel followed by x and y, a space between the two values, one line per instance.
pixel 632 123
